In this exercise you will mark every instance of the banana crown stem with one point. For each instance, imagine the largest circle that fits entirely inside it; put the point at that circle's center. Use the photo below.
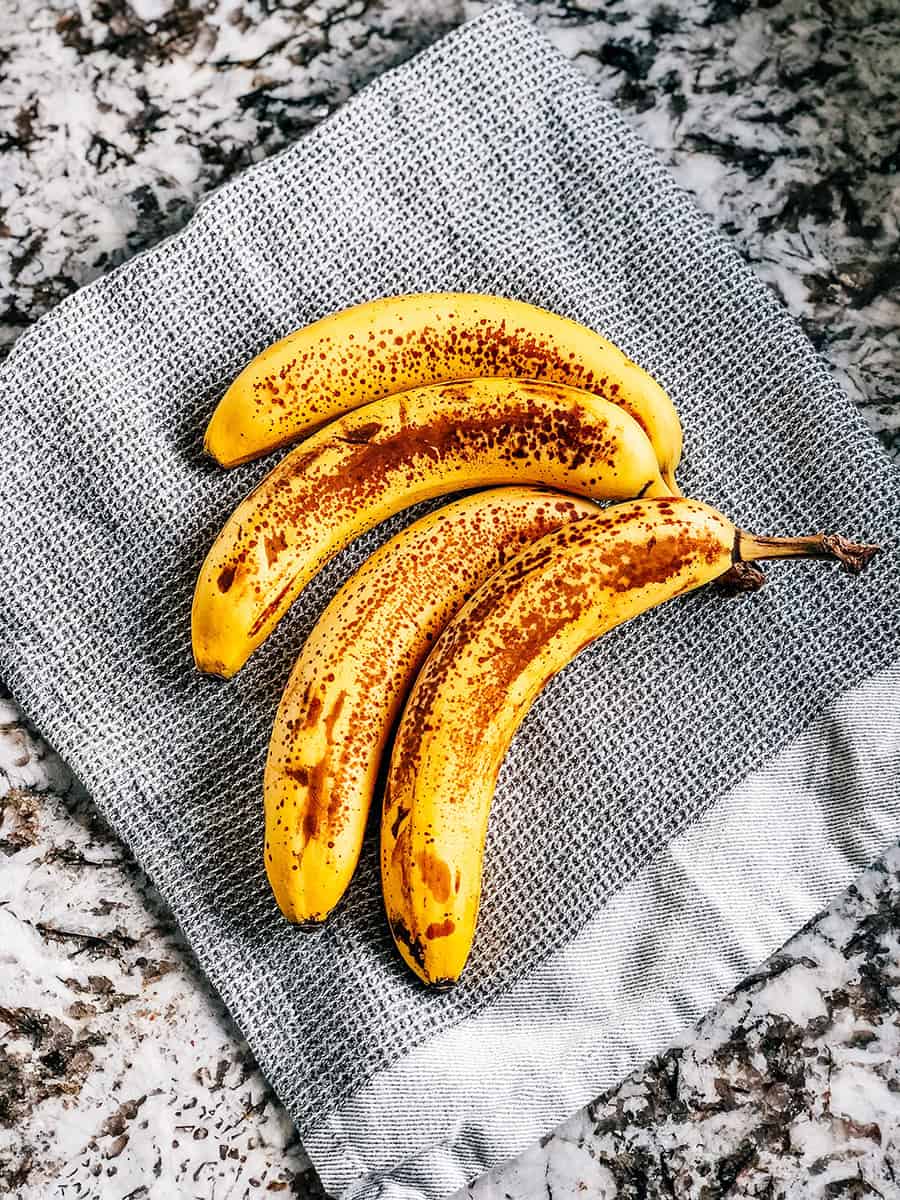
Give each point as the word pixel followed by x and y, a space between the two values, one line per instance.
pixel 853 556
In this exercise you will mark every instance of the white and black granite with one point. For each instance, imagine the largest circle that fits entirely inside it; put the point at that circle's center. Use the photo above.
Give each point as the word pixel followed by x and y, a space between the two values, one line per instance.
pixel 120 1074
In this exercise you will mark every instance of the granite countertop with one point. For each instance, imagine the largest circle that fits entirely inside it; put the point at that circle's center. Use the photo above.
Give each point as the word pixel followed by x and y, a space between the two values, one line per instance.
pixel 120 1073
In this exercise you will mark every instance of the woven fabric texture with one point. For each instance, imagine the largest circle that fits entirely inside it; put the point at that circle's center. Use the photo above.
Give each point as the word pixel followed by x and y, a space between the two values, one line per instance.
pixel 486 164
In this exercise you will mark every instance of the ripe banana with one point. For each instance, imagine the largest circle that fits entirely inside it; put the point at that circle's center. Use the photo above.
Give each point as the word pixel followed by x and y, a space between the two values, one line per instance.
pixel 356 668
pixel 400 342
pixel 518 630
pixel 386 456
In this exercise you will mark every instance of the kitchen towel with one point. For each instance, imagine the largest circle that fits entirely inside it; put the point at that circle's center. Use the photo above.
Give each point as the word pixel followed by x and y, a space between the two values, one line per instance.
pixel 693 787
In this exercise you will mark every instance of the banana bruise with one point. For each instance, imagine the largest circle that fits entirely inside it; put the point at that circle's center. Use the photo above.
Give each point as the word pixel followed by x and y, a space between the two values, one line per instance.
pixel 356 668
pixel 519 629
pixel 387 456
pixel 393 344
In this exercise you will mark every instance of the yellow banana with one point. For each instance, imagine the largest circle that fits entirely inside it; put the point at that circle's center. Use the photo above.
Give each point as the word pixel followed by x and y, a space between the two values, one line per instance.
pixel 400 342
pixel 518 630
pixel 355 670
pixel 386 456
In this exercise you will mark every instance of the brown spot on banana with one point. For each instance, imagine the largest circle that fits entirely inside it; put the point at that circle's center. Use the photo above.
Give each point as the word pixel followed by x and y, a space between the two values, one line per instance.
pixel 362 435
pixel 402 814
pixel 405 940
pixel 313 706
pixel 440 929
pixel 435 874
pixel 274 544
pixel 317 778
pixel 322 807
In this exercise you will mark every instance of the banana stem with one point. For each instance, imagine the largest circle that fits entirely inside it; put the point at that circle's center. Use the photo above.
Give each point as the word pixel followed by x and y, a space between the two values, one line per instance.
pixel 853 556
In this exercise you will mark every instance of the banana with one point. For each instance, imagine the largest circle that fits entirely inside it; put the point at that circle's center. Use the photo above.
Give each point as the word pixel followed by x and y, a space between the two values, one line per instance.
pixel 386 456
pixel 518 630
pixel 400 342
pixel 356 668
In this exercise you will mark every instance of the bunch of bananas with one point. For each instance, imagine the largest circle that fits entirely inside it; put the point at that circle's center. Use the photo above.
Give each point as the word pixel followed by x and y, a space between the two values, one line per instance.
pixel 461 619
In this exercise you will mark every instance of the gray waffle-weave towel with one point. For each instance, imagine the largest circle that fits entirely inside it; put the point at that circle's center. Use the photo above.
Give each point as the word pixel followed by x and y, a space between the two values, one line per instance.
pixel 679 800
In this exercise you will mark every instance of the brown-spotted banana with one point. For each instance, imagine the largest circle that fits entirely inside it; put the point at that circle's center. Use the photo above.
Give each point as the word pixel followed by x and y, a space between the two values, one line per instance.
pixel 355 671
pixel 400 342
pixel 518 630
pixel 388 455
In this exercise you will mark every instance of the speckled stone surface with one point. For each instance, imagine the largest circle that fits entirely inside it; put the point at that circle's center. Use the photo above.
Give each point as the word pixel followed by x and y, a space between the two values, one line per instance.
pixel 120 1074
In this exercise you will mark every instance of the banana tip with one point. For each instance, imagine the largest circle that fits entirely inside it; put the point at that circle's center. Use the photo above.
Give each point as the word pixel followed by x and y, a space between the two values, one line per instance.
pixel 440 985
pixel 212 670
pixel 210 451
